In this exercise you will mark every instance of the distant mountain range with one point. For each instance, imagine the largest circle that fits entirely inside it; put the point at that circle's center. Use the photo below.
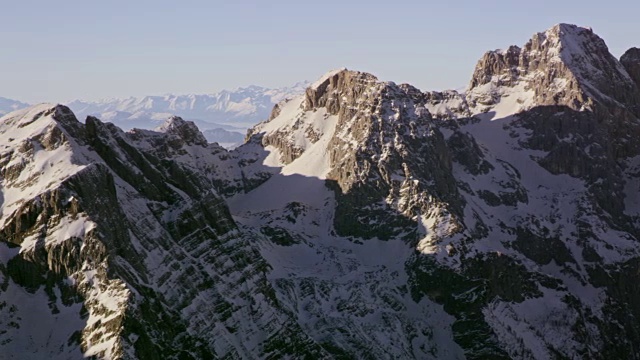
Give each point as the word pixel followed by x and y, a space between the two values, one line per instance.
pixel 9 105
pixel 362 219
pixel 223 117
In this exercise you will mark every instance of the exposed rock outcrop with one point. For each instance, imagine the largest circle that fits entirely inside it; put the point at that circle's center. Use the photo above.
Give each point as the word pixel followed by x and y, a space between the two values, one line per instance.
pixel 631 62
pixel 505 215
pixel 566 65
pixel 138 254
pixel 366 219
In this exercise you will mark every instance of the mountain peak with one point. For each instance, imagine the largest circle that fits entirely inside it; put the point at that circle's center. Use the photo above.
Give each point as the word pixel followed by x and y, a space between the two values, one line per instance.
pixel 328 75
pixel 340 81
pixel 631 54
pixel 187 130
pixel 43 114
pixel 62 114
pixel 563 30
pixel 631 62
pixel 565 65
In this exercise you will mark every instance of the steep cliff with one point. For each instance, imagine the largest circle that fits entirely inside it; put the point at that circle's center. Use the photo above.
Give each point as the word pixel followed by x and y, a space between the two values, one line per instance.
pixel 124 254
pixel 365 219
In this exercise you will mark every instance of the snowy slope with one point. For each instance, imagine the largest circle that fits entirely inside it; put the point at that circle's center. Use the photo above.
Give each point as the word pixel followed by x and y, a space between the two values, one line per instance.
pixel 43 160
pixel 361 219
pixel 511 202
pixel 97 230
pixel 38 156
pixel 332 282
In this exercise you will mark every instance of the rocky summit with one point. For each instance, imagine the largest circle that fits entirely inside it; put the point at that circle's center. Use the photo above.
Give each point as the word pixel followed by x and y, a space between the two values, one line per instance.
pixel 362 220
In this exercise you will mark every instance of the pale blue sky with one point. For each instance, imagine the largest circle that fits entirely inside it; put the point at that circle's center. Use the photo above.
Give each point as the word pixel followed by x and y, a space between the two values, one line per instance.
pixel 61 50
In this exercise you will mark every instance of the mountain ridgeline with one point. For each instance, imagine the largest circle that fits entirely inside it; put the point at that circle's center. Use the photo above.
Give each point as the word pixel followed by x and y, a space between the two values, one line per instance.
pixel 223 117
pixel 362 220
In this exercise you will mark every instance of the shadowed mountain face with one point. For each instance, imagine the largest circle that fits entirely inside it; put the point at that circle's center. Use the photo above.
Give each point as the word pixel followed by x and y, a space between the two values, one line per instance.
pixel 631 62
pixel 362 219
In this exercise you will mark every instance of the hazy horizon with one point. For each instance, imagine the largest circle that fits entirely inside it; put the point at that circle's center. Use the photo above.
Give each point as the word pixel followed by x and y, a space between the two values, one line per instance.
pixel 56 52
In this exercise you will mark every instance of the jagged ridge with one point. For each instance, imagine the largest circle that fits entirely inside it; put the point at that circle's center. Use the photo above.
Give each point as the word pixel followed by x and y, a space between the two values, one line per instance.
pixel 515 214
pixel 370 220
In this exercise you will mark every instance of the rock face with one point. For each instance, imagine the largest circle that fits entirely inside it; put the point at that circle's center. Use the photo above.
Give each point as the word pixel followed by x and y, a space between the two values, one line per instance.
pixel 363 219
pixel 563 66
pixel 517 196
pixel 124 254
pixel 631 62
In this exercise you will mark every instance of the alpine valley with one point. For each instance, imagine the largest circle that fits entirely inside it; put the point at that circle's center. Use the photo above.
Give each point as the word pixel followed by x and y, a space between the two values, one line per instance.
pixel 362 220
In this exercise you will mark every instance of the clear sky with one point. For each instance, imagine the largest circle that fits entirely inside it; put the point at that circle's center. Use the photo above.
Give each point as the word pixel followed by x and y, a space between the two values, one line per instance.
pixel 67 49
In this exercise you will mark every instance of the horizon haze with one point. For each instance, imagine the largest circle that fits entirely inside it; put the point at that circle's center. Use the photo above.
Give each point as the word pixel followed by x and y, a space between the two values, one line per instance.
pixel 76 50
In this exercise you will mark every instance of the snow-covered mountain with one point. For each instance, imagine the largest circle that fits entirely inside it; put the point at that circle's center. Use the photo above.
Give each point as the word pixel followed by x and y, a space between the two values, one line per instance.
pixel 361 219
pixel 224 116
pixel 242 107
pixel 230 110
pixel 109 251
